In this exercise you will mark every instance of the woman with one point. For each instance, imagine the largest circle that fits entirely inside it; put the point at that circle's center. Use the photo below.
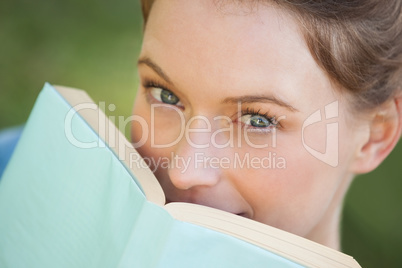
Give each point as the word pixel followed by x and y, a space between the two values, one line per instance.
pixel 268 109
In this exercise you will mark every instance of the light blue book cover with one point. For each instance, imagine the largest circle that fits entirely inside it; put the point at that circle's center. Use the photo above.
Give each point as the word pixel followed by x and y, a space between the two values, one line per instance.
pixel 62 205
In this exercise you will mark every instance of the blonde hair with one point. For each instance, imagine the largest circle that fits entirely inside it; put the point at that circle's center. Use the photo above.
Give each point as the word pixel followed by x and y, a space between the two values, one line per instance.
pixel 357 43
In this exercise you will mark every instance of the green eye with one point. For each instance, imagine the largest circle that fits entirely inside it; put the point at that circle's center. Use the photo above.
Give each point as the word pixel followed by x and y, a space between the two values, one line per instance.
pixel 259 121
pixel 165 96
pixel 168 97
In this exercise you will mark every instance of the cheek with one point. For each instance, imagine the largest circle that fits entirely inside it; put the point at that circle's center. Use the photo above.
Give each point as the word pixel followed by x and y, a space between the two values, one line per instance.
pixel 162 125
pixel 167 127
pixel 140 127
pixel 314 137
pixel 154 131
pixel 290 191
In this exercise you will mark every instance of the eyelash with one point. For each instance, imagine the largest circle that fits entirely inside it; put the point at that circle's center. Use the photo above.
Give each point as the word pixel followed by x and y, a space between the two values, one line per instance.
pixel 271 119
pixel 149 84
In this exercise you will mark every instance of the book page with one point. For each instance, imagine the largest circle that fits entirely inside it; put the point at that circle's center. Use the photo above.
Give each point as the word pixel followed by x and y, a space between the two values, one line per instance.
pixel 114 139
pixel 285 244
pixel 62 205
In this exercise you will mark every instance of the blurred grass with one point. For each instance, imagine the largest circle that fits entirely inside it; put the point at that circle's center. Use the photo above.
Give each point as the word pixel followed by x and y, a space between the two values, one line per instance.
pixel 93 45
pixel 89 44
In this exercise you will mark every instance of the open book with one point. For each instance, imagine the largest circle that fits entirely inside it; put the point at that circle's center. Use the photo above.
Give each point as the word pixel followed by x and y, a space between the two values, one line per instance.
pixel 71 198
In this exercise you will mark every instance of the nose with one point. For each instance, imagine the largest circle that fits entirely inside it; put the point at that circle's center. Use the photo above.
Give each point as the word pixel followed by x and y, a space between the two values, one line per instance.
pixel 195 160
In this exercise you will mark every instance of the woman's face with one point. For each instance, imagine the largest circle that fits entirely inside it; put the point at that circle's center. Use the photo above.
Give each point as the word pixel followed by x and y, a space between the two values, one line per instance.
pixel 240 117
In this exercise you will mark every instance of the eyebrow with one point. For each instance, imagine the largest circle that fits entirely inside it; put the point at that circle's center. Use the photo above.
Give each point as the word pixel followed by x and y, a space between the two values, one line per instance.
pixel 241 99
pixel 147 61
pixel 260 99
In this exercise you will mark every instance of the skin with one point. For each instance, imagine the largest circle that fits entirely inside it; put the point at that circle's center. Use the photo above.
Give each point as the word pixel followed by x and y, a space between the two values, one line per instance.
pixel 210 56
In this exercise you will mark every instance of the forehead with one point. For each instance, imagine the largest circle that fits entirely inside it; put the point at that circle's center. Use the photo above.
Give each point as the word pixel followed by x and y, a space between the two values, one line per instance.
pixel 232 46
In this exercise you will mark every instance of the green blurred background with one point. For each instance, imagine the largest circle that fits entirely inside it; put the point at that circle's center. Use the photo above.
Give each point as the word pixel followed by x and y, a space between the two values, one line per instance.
pixel 93 45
